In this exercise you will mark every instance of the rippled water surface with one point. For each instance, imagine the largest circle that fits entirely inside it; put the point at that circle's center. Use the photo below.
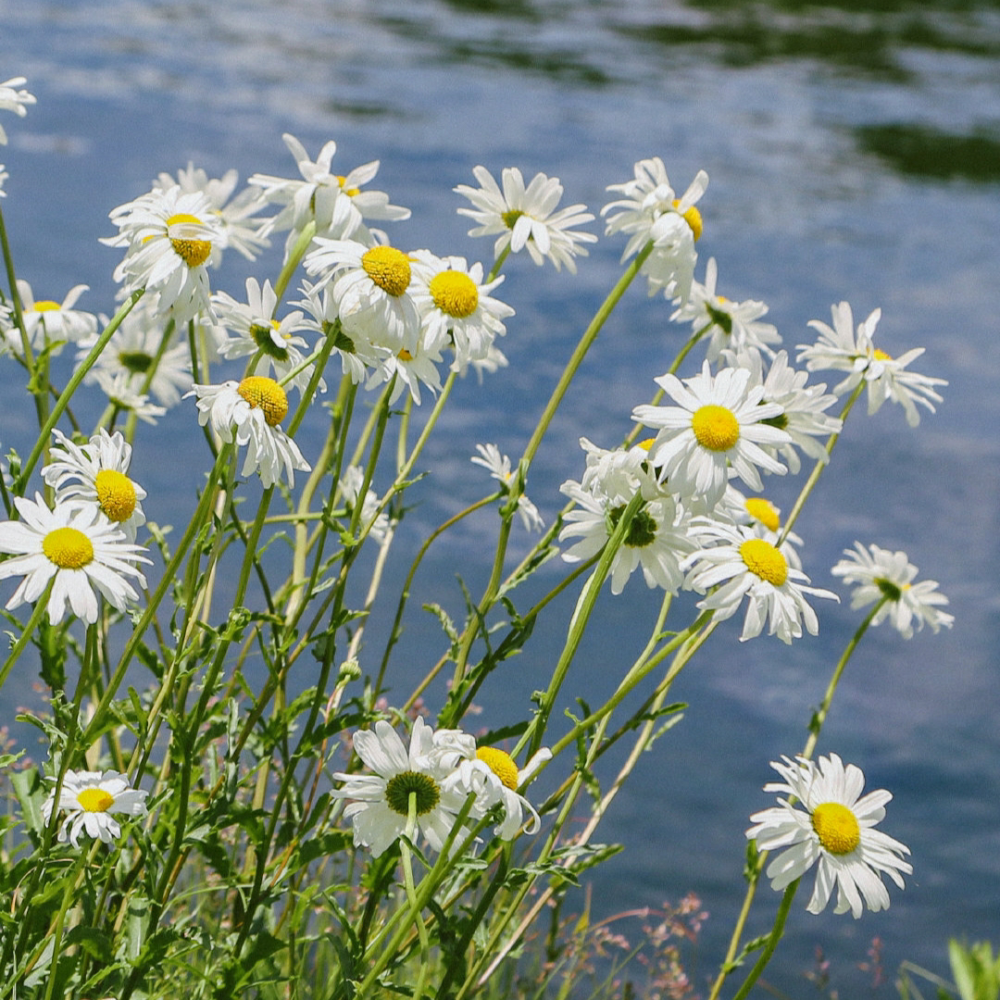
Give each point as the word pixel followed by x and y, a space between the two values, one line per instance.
pixel 854 153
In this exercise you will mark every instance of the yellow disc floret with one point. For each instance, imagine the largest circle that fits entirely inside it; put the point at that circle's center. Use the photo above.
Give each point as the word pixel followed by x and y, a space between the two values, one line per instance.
pixel 880 355
pixel 46 305
pixel 115 494
pixel 192 252
pixel 693 218
pixel 68 548
pixel 763 559
pixel 764 511
pixel 95 800
pixel 454 293
pixel 837 828
pixel 715 427
pixel 389 268
pixel 500 764
pixel 265 393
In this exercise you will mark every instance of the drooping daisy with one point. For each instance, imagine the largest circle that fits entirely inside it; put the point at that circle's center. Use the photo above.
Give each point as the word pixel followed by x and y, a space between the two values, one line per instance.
pixel 728 325
pixel 743 564
pixel 337 203
pixel 371 288
pixel 651 211
pixel 257 330
pixel 90 800
pixel 525 217
pixel 720 423
pixel 878 573
pixel 409 369
pixel 77 549
pixel 456 307
pixel 498 466
pixel 14 100
pixel 240 230
pixel 831 826
pixel 841 348
pixel 122 390
pixel 50 322
pixel 380 803
pixel 95 474
pixel 250 412
pixel 168 238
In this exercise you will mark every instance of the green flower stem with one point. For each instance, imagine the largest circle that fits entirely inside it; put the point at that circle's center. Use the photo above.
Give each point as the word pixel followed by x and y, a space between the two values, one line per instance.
pixel 29 630
pixel 15 297
pixel 296 254
pixel 817 471
pixel 406 857
pixel 78 376
pixel 497 264
pixel 772 941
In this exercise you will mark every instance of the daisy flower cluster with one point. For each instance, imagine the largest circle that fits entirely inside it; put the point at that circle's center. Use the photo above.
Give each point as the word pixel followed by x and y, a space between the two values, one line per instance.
pixel 440 770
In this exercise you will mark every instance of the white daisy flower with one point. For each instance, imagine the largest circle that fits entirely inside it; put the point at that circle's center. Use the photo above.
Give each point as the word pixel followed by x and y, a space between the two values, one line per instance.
pixel 257 330
pixel 90 800
pixel 651 211
pixel 841 348
pixel 50 322
pixel 494 778
pixel 619 472
pixel 350 487
pixel 409 370
pixel 456 307
pixel 743 564
pixel 357 354
pixel 371 288
pixel 336 203
pixel 95 474
pixel 498 466
pixel 136 354
pixel 831 826
pixel 728 325
pixel 381 800
pixel 74 548
pixel 240 230
pixel 3 176
pixel 763 516
pixel 720 423
pixel 122 390
pixel 168 238
pixel 525 217
pixel 250 413
pixel 879 573
pixel 14 100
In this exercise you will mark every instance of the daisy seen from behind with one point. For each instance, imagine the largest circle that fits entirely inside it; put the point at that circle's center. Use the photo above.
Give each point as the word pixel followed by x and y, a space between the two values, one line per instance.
pixel 826 822
pixel 499 468
pixel 94 474
pixel 525 217
pixel 250 413
pixel 12 99
pixel 90 800
pixel 380 801
pixel 718 424
pixel 76 549
pixel 879 574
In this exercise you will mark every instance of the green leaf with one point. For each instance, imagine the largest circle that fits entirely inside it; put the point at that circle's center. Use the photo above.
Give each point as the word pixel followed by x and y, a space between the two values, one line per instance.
pixel 94 942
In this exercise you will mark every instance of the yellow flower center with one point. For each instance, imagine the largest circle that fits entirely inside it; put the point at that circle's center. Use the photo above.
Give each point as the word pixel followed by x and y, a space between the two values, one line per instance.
pixel 715 427
pixel 880 355
pixel 46 305
pixel 693 218
pixel 764 511
pixel 500 764
pixel 115 494
pixel 511 216
pixel 646 443
pixel 404 355
pixel 454 293
pixel 192 252
pixel 67 548
pixel 95 800
pixel 765 560
pixel 837 828
pixel 263 392
pixel 350 192
pixel 389 268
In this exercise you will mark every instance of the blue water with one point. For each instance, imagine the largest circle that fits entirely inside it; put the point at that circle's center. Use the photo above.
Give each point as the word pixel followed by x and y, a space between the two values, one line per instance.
pixel 853 153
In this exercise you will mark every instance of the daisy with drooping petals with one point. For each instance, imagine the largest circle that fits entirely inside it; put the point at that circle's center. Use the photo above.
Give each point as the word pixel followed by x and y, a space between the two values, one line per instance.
pixel 833 827
pixel 168 238
pixel 525 217
pixel 74 548
pixel 498 466
pixel 123 392
pixel 409 369
pixel 95 474
pixel 357 354
pixel 14 100
pixel 743 564
pixel 90 800
pixel 719 423
pixel 381 800
pixel 250 412
pixel 49 322
pixel 879 573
